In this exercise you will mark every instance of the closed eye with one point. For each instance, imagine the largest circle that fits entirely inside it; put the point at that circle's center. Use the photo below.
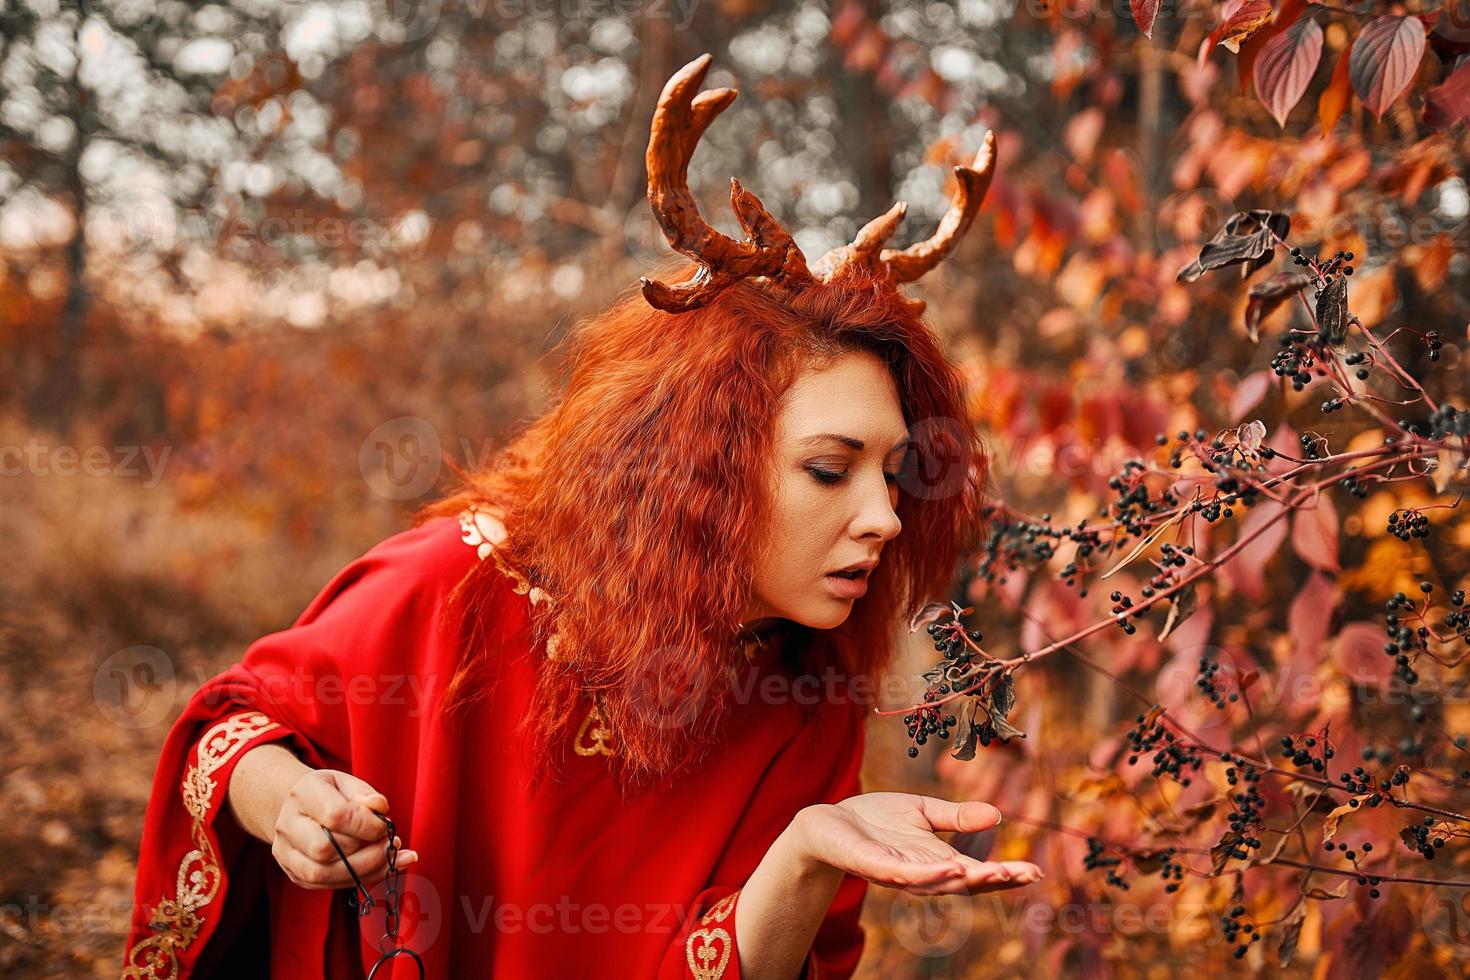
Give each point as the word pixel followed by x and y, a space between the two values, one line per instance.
pixel 830 477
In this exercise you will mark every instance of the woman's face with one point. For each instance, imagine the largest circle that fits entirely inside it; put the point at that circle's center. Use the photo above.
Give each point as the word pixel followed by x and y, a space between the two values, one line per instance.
pixel 840 439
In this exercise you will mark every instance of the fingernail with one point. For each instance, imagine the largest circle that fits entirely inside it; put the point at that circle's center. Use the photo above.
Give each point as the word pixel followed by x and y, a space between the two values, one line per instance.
pixel 408 857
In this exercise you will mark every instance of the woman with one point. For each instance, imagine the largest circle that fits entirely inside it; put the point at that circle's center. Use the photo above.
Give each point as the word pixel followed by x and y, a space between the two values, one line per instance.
pixel 685 572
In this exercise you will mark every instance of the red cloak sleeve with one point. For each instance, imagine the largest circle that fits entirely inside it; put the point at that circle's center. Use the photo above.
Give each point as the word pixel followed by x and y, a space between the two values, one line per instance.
pixel 553 878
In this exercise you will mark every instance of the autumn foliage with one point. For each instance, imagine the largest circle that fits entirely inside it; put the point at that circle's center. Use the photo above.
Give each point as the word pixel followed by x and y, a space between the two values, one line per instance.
pixel 1212 319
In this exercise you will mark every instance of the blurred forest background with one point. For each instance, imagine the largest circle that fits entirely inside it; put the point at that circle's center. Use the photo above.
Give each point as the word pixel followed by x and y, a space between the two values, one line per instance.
pixel 244 246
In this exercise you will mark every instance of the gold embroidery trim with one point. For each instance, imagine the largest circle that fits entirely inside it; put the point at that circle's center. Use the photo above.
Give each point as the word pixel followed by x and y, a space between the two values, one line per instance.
pixel 483 531
pixel 594 737
pixel 708 962
pixel 177 920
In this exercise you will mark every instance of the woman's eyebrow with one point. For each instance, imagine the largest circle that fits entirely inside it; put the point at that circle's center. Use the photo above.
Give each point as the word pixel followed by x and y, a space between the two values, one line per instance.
pixel 852 442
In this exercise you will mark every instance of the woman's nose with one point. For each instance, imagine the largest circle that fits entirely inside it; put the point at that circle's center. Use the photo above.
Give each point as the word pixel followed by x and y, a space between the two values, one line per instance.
pixel 877 518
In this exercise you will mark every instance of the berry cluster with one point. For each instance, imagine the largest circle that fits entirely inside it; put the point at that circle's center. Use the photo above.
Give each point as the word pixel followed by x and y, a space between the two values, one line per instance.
pixel 1295 360
pixel 1235 925
pixel 1121 605
pixel 965 672
pixel 1339 259
pixel 1301 754
pixel 1245 814
pixel 1447 420
pixel 1354 485
pixel 1408 522
pixel 1358 358
pixel 1098 858
pixel 1422 841
pixel 1432 341
pixel 1172 756
pixel 1206 682
pixel 926 721
pixel 1404 644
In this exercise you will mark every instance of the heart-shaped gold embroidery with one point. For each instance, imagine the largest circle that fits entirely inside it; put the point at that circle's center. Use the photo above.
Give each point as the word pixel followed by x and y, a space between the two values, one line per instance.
pixel 594 737
pixel 702 961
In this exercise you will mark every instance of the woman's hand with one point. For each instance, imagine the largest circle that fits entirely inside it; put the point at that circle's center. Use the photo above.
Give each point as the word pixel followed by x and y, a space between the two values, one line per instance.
pixel 345 805
pixel 889 839
pixel 277 798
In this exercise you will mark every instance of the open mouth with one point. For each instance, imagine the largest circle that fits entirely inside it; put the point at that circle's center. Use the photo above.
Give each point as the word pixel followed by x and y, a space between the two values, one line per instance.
pixel 856 573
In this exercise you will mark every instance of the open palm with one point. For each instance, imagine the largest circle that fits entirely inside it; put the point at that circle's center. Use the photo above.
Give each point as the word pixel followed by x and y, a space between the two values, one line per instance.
pixel 889 839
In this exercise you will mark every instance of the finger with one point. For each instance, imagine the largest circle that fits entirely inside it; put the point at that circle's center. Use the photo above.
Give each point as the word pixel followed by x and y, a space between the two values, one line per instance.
pixel 306 835
pixel 996 875
pixel 882 866
pixel 325 803
pixel 368 862
pixel 354 788
pixel 967 815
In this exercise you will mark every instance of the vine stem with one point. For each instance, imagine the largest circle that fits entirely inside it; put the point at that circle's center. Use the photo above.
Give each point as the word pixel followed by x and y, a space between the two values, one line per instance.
pixel 1204 852
pixel 1205 567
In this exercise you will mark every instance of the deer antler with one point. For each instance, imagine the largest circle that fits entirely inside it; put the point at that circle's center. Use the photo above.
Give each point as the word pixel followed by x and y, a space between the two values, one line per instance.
pixel 972 184
pixel 906 265
pixel 769 250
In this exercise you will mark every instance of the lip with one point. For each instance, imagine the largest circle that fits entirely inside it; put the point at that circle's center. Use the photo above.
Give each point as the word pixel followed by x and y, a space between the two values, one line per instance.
pixel 845 588
pixel 866 566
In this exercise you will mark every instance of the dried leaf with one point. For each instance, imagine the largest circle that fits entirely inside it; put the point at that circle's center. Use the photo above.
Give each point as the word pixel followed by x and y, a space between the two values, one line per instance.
pixel 969 732
pixel 932 612
pixel 1339 892
pixel 1266 296
pixel 1251 435
pixel 1220 851
pixel 1005 729
pixel 1291 930
pixel 1148 539
pixel 1242 19
pixel 1246 237
pixel 1003 697
pixel 1332 312
pixel 1182 605
pixel 1275 852
pixel 1329 825
pixel 1144 12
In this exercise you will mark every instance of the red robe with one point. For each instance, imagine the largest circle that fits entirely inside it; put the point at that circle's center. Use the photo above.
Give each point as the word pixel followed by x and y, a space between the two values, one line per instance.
pixel 556 878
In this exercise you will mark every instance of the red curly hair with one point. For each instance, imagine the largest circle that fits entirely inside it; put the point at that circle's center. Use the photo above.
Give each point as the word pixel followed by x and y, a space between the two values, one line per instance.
pixel 638 502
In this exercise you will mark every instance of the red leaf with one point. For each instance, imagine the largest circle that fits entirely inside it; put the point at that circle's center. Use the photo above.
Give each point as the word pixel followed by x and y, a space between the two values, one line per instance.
pixel 1448 102
pixel 1358 651
pixel 1242 19
pixel 1314 535
pixel 1248 393
pixel 1333 101
pixel 1285 67
pixel 1244 570
pixel 1309 617
pixel 1289 12
pixel 1383 61
pixel 1144 12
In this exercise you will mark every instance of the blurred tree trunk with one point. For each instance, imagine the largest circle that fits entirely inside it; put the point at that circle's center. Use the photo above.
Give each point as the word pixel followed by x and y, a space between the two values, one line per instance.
pixel 865 133
pixel 55 401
